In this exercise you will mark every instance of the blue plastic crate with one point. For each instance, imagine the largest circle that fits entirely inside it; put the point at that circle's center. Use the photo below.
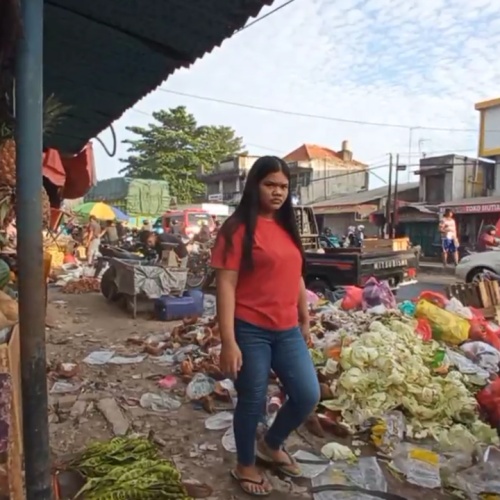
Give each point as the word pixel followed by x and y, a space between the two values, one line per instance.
pixel 168 308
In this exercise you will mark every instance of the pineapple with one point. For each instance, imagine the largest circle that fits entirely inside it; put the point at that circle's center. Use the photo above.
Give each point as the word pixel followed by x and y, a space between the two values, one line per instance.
pixel 53 112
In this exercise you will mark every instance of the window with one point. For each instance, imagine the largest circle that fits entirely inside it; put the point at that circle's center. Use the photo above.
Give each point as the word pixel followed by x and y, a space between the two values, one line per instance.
pixel 359 217
pixel 198 219
pixel 434 188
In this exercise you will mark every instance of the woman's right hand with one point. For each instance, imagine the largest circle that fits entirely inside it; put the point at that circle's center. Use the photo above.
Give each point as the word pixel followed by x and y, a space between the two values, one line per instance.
pixel 230 359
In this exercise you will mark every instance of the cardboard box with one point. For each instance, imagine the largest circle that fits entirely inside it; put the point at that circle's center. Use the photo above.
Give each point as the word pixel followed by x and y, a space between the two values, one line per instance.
pixel 10 372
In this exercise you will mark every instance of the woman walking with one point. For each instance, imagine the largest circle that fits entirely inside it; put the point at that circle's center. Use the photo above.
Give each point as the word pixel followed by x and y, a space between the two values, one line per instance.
pixel 263 317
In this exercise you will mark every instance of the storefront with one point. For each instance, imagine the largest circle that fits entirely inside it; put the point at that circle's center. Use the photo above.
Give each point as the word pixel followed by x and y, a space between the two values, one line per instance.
pixel 473 214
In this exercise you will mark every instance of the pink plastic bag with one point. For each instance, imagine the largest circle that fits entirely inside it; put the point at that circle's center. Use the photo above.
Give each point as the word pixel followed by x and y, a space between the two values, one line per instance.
pixel 378 293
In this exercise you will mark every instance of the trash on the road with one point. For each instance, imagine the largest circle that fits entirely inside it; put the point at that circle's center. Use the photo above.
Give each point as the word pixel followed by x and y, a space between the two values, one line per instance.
pixel 160 403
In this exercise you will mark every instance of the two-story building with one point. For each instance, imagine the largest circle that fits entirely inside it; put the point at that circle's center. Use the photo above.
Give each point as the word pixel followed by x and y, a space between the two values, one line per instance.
pixel 317 173
pixel 225 183
pixel 320 173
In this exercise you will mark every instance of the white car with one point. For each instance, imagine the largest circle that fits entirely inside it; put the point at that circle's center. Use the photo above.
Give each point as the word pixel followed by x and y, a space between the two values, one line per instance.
pixel 471 267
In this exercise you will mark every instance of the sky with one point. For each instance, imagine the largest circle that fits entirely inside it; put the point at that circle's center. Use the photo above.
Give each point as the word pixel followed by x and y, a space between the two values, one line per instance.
pixel 418 64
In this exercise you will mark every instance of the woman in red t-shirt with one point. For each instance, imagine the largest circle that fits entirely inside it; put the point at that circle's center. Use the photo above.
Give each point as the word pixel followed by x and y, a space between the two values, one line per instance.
pixel 263 317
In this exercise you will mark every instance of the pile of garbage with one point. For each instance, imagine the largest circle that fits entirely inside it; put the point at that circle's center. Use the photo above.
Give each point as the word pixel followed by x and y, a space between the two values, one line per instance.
pixel 420 359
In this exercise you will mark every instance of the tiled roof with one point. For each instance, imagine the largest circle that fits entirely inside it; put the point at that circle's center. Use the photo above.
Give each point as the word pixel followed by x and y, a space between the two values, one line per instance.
pixel 102 56
pixel 308 152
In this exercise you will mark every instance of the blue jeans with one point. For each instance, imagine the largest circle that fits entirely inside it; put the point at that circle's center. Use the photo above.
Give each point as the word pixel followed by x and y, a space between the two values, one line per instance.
pixel 287 354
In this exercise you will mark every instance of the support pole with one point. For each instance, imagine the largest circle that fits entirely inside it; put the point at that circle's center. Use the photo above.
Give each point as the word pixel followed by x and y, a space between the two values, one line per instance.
pixel 395 211
pixel 388 217
pixel 29 111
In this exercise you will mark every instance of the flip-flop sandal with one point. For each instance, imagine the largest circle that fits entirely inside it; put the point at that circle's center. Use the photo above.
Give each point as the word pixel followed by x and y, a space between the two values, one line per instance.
pixel 283 467
pixel 242 480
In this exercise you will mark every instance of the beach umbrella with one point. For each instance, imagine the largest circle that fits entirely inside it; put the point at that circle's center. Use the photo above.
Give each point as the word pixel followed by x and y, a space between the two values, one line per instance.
pixel 99 210
pixel 119 214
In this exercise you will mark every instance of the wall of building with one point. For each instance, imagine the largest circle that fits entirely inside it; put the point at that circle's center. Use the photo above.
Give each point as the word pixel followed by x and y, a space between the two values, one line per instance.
pixel 332 178
pixel 339 223
pixel 466 179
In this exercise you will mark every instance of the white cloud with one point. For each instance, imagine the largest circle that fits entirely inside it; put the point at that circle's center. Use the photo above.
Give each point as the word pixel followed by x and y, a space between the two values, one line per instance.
pixel 412 63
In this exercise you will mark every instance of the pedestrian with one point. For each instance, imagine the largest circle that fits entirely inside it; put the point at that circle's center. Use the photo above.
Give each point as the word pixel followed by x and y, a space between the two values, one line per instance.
pixel 449 238
pixel 264 321
pixel 94 235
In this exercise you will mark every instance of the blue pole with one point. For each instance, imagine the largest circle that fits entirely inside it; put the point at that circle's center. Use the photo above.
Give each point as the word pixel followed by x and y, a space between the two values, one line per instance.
pixel 29 115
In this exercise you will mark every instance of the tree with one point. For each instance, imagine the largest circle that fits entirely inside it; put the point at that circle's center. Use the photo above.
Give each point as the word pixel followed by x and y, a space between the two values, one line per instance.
pixel 176 149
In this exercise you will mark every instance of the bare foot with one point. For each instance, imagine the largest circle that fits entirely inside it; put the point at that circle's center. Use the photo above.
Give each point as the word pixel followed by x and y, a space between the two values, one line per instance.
pixel 251 480
pixel 286 463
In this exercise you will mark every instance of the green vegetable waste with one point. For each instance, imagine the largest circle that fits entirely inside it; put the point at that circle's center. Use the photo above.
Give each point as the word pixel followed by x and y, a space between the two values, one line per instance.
pixel 390 367
pixel 128 469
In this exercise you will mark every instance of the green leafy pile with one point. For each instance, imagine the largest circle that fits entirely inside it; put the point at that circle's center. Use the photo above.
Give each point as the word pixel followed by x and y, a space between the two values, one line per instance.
pixel 389 367
pixel 128 469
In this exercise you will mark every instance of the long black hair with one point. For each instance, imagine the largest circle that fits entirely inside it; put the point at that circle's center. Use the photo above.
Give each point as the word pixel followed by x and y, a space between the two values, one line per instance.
pixel 248 209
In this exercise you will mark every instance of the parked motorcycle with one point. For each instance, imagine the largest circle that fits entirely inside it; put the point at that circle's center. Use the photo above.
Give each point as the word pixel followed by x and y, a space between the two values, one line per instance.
pixel 198 266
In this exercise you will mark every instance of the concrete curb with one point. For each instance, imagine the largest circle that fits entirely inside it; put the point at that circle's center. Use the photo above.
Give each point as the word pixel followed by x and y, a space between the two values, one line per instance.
pixel 436 269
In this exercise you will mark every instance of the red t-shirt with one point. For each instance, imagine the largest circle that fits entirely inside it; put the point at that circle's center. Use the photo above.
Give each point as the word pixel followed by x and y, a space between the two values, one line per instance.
pixel 268 295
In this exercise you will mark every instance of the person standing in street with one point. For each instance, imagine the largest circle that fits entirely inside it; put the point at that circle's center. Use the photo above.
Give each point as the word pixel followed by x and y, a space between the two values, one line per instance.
pixel 94 235
pixel 449 238
pixel 264 320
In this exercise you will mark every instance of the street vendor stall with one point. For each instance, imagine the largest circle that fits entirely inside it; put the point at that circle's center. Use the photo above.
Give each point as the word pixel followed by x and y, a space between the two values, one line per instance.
pixel 130 280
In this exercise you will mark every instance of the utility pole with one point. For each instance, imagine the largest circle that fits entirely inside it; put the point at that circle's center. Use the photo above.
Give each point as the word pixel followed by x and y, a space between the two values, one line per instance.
pixel 388 203
pixel 395 211
pixel 399 168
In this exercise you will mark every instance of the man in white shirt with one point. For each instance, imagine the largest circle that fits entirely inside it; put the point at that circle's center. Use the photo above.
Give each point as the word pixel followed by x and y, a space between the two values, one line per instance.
pixel 449 238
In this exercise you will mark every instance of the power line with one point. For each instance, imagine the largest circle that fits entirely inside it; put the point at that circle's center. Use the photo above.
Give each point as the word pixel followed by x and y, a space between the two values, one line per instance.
pixel 265 16
pixel 309 115
pixel 274 150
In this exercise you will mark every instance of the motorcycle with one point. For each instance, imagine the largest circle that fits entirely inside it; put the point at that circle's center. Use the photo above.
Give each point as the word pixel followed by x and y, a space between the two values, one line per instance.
pixel 199 270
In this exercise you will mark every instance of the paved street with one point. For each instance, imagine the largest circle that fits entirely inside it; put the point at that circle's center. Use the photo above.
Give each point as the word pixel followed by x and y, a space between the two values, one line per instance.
pixel 433 282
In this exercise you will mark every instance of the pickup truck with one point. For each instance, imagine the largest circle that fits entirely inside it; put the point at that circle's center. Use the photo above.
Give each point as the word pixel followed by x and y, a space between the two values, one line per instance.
pixel 327 268
pixel 346 266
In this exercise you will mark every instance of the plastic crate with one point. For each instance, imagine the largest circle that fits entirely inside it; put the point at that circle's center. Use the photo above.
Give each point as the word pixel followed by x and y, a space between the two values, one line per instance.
pixel 169 308
pixel 199 298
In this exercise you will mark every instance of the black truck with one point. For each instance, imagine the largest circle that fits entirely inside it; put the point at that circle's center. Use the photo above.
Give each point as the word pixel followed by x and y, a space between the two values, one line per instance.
pixel 346 266
pixel 327 268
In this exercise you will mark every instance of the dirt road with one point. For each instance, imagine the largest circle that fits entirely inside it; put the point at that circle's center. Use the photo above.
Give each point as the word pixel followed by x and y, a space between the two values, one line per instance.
pixel 87 323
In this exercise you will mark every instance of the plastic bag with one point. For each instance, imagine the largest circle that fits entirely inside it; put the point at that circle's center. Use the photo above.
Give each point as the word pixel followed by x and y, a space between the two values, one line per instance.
pixel 435 298
pixel 446 326
pixel 353 298
pixel 377 293
pixel 407 308
pixel 489 399
pixel 423 329
pixel 312 298
pixel 481 330
pixel 419 465
pixel 456 307
pixel 486 356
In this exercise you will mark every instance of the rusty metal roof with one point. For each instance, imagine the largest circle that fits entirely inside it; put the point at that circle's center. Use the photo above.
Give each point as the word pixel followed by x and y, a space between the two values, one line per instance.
pixel 102 56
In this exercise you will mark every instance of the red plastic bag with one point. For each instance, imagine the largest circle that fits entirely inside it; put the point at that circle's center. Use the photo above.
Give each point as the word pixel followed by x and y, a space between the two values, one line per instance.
pixel 489 400
pixel 424 330
pixel 69 259
pixel 435 298
pixel 481 330
pixel 352 299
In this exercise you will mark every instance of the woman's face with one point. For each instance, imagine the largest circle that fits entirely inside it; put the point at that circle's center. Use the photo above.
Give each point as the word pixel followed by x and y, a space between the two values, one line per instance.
pixel 273 191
